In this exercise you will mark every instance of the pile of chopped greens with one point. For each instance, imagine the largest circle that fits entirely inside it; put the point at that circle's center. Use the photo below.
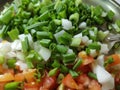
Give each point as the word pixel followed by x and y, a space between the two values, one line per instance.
pixel 55 35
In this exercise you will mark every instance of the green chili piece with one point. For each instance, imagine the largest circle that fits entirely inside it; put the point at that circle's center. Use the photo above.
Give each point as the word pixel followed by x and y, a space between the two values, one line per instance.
pixel 12 86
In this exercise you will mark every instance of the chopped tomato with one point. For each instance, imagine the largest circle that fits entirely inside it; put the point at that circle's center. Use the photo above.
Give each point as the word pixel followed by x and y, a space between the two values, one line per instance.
pixel 87 60
pixel 94 85
pixel 19 77
pixel 30 75
pixel 31 86
pixel 49 83
pixel 116 58
pixel 69 82
pixel 6 77
pixel 2 84
pixel 83 79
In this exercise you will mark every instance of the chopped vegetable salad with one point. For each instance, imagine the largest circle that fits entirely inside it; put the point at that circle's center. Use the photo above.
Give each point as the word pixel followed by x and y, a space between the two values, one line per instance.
pixel 58 45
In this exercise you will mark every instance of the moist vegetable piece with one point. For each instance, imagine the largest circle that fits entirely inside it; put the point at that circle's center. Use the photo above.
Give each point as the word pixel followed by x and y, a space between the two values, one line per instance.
pixel 58 45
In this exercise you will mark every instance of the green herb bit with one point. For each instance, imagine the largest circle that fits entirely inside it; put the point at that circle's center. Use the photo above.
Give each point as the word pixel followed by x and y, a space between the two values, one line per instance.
pixel 11 63
pixel 25 45
pixel 13 34
pixel 74 17
pixel 1 59
pixel 55 64
pixel 73 73
pixel 110 15
pixel 69 58
pixel 95 46
pixel 78 63
pixel 62 48
pixel 12 86
pixel 108 61
pixel 53 72
pixel 45 42
pixel 92 75
pixel 75 42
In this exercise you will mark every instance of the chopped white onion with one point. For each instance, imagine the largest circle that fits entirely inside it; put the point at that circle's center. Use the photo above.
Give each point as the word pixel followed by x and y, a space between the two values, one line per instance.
pixel 5 48
pixel 100 60
pixel 93 53
pixel 16 45
pixel 85 39
pixel 10 55
pixel 23 66
pixel 45 53
pixel 22 37
pixel 78 35
pixel 89 42
pixel 20 56
pixel 70 51
pixel 82 25
pixel 104 14
pixel 67 25
pixel 104 49
pixel 37 46
pixel 92 33
pixel 104 77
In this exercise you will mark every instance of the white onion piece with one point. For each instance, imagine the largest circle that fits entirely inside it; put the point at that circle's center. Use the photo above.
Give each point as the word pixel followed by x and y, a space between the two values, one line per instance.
pixel 104 77
pixel 59 34
pixel 22 38
pixel 37 46
pixel 67 25
pixel 10 55
pixel 45 53
pixel 20 56
pixel 16 45
pixel 82 25
pixel 100 60
pixel 23 66
pixel 78 35
pixel 92 33
pixel 93 53
pixel 5 48
pixel 85 39
pixel 89 42
pixel 104 49
pixel 70 51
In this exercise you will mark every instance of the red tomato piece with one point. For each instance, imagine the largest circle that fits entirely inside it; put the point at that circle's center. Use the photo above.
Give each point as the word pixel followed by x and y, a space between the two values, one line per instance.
pixel 31 86
pixel 94 85
pixel 69 82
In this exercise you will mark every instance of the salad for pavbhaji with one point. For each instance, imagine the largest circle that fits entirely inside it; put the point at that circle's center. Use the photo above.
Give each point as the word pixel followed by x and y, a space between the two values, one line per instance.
pixel 58 45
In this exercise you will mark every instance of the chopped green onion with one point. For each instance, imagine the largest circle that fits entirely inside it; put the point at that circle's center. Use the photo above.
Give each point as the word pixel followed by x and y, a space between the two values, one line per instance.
pixel 11 63
pixel 94 46
pixel 45 42
pixel 37 24
pixel 44 35
pixel 92 75
pixel 108 61
pixel 25 45
pixel 69 58
pixel 60 78
pixel 53 72
pixel 101 35
pixel 56 64
pixel 110 15
pixel 64 69
pixel 75 42
pixel 78 63
pixel 12 86
pixel 13 34
pixel 74 17
pixel 73 73
pixel 1 59
pixel 62 48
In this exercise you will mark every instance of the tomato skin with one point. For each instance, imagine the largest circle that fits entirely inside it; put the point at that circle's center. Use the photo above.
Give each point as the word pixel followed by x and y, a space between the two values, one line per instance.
pixel 83 80
pixel 94 85
pixel 19 77
pixel 31 86
pixel 69 82
pixel 2 84
pixel 49 83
